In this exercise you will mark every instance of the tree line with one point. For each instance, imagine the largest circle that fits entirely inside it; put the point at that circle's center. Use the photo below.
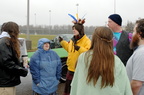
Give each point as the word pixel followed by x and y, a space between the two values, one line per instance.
pixel 53 30
pixel 63 29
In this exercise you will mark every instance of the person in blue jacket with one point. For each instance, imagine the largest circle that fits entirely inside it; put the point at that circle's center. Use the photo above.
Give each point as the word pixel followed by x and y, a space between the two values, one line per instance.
pixel 45 68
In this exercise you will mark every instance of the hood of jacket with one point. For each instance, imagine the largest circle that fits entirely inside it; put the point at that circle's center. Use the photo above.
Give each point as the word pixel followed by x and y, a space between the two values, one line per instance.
pixel 4 34
pixel 41 43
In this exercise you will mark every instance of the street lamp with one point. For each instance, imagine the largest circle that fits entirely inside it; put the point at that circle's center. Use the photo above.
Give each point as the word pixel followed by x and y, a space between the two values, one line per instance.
pixel 114 6
pixel 35 23
pixel 77 10
pixel 49 17
pixel 28 20
pixel 28 42
pixel 35 19
pixel 50 20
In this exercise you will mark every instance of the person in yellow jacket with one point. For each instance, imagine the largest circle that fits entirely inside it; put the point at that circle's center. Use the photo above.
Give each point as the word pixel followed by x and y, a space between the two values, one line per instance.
pixel 78 44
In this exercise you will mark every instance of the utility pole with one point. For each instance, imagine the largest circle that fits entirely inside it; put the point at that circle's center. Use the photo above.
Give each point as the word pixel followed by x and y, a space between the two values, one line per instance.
pixel 28 38
pixel 49 21
pixel 35 24
pixel 114 6
pixel 28 42
pixel 77 10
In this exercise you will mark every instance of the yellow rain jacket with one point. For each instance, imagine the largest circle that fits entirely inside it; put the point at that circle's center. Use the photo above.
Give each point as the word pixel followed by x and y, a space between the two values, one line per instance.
pixel 73 54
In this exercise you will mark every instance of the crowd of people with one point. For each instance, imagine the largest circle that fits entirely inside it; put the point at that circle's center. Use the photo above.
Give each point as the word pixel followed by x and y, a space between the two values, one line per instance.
pixel 112 63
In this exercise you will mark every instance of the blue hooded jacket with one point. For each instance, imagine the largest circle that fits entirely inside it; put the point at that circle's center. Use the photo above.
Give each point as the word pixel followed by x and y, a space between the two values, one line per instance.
pixel 45 68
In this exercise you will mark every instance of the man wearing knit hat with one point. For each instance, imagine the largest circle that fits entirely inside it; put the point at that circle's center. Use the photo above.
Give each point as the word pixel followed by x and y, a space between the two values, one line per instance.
pixel 78 44
pixel 121 40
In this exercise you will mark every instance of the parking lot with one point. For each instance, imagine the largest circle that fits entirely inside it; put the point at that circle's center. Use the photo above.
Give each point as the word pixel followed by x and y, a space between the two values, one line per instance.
pixel 25 88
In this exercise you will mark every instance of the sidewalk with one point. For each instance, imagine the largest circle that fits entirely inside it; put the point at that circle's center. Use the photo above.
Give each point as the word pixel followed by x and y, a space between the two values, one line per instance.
pixel 61 88
pixel 25 88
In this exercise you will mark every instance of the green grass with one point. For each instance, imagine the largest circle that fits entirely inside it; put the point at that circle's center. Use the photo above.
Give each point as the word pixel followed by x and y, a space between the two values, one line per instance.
pixel 35 38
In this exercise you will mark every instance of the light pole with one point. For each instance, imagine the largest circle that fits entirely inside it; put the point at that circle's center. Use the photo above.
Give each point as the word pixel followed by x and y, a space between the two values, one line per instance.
pixel 35 19
pixel 28 42
pixel 35 23
pixel 28 38
pixel 114 6
pixel 77 10
pixel 50 20
pixel 49 17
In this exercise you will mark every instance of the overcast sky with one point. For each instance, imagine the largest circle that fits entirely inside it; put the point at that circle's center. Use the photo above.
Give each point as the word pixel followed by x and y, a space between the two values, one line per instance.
pixel 97 11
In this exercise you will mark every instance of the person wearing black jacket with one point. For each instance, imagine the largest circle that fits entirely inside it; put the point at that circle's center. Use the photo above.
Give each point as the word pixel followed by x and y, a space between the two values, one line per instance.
pixel 121 38
pixel 10 67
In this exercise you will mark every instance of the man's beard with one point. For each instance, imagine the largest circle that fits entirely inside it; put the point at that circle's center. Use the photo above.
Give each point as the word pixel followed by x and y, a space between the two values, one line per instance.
pixel 134 42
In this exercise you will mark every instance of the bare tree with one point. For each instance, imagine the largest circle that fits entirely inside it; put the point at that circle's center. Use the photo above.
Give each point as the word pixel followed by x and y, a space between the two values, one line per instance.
pixel 129 27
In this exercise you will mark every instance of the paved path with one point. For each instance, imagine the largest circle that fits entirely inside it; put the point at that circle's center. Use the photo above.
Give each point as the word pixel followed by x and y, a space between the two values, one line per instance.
pixel 25 87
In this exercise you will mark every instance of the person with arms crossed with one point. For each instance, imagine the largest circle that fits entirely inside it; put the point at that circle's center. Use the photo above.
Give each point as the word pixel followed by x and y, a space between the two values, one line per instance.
pixel 99 71
pixel 135 64
pixel 45 68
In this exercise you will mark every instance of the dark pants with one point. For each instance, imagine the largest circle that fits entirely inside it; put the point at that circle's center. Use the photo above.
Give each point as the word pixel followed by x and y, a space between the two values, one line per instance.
pixel 34 93
pixel 69 78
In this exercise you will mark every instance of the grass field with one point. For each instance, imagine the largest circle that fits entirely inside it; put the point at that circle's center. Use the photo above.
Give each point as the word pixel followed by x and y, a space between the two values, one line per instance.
pixel 35 38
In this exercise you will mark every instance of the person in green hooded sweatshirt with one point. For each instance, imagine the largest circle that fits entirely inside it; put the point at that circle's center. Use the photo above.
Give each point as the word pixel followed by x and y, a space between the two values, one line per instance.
pixel 99 71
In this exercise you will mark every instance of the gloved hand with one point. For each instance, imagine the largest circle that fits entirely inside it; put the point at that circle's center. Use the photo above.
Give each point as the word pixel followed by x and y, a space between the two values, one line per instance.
pixel 76 47
pixel 60 39
pixel 21 71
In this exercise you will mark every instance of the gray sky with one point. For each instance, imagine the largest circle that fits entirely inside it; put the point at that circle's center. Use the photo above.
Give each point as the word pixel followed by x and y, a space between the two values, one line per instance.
pixel 96 11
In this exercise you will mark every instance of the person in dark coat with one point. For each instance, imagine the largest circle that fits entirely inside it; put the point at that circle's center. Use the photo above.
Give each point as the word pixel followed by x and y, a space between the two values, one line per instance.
pixel 10 67
pixel 121 39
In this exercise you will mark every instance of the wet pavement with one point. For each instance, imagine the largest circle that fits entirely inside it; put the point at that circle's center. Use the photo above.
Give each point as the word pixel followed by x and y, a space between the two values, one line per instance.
pixel 25 88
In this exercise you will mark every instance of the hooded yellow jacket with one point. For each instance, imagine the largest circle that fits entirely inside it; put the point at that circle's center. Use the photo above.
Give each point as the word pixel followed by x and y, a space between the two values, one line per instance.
pixel 73 54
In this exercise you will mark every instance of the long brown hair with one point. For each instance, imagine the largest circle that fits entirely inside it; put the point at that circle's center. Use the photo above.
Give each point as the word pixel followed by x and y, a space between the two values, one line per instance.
pixel 13 30
pixel 102 62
